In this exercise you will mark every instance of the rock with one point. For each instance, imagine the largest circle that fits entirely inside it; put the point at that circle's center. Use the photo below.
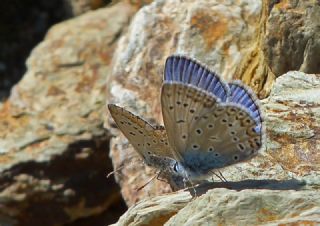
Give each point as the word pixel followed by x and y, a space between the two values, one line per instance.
pixel 279 186
pixel 53 147
pixel 227 207
pixel 78 7
pixel 22 25
pixel 293 123
pixel 292 40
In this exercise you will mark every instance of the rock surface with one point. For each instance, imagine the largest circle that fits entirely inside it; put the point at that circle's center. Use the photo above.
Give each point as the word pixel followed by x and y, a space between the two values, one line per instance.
pixel 280 186
pixel 227 207
pixel 53 147
pixel 292 40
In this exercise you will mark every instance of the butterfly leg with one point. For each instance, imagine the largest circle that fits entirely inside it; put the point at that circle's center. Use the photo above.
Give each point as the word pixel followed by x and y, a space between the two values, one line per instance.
pixel 219 175
pixel 148 182
pixel 225 180
pixel 159 177
pixel 187 187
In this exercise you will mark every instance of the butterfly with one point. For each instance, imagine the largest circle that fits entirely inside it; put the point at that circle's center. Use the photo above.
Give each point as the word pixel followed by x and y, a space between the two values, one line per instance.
pixel 150 142
pixel 208 124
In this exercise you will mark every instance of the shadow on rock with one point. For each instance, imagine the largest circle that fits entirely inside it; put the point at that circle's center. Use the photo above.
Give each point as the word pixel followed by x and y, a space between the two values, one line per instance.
pixel 291 184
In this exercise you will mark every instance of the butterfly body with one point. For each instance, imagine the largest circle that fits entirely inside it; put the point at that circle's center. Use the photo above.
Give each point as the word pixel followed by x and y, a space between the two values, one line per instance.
pixel 209 124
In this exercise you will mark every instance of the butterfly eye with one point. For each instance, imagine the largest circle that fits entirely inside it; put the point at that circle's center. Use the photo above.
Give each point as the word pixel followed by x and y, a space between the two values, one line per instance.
pixel 175 167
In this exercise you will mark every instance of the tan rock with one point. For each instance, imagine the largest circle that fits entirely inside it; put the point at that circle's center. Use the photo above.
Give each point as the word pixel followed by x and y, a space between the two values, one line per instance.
pixel 227 207
pixel 292 40
pixel 53 147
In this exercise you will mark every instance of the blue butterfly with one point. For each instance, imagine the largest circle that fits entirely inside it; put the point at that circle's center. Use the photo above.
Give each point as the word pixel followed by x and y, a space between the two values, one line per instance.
pixel 208 124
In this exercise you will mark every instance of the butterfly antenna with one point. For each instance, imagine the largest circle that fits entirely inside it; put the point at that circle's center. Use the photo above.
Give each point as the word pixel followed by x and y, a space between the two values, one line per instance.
pixel 115 171
pixel 147 183
pixel 122 165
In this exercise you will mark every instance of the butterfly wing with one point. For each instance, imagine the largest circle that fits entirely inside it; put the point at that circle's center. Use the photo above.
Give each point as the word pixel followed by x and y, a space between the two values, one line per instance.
pixel 184 70
pixel 243 96
pixel 221 130
pixel 189 91
pixel 146 139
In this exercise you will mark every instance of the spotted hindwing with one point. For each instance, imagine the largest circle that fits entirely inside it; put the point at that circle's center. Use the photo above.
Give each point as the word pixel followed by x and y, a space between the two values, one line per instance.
pixel 145 138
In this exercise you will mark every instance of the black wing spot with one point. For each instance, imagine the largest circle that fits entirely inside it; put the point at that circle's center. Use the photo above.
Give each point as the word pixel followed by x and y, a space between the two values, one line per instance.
pixel 230 124
pixel 235 139
pixel 210 126
pixel 184 136
pixel 181 121
pixel 185 105
pixel 236 157
pixel 178 102
pixel 210 149
pixel 148 144
pixel 132 133
pixel 199 131
pixel 232 132
pixel 149 152
pixel 216 154
pixel 241 146
pixel 195 146
pixel 170 107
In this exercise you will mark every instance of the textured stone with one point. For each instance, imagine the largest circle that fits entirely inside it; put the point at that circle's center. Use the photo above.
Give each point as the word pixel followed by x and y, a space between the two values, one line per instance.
pixel 251 207
pixel 155 211
pixel 53 147
pixel 293 122
pixel 279 186
pixel 227 207
pixel 225 35
pixel 292 40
